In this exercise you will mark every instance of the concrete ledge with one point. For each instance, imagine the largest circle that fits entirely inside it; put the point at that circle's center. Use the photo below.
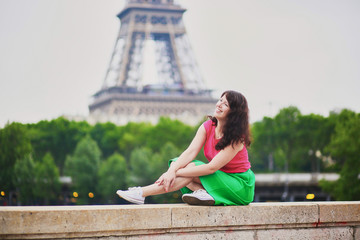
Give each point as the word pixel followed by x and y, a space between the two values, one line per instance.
pixel 312 220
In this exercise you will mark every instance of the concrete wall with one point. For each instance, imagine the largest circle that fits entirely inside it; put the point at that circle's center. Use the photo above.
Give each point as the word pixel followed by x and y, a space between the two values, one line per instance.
pixel 299 220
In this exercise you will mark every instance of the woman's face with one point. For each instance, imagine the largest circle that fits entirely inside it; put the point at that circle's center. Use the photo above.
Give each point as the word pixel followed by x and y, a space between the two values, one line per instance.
pixel 222 108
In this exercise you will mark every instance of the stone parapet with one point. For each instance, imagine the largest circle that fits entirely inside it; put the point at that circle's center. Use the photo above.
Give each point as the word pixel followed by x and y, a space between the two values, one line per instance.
pixel 297 220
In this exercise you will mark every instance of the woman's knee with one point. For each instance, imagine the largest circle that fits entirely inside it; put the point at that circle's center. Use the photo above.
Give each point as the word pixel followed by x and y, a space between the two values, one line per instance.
pixel 190 165
pixel 196 180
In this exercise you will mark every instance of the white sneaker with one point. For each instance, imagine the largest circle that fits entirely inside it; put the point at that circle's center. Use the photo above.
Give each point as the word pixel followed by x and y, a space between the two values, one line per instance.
pixel 198 197
pixel 133 195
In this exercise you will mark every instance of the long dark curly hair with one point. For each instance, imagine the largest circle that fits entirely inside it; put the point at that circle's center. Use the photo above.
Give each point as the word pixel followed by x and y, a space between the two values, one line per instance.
pixel 237 127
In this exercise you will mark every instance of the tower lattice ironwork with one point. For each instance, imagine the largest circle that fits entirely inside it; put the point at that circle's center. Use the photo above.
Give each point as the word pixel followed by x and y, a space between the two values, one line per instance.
pixel 152 71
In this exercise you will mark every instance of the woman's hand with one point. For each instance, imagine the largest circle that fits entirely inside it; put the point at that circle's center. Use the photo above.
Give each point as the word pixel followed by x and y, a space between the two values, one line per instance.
pixel 167 179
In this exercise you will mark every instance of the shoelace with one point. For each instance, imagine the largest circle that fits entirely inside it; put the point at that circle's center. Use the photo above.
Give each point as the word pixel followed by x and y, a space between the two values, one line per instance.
pixel 136 190
pixel 200 191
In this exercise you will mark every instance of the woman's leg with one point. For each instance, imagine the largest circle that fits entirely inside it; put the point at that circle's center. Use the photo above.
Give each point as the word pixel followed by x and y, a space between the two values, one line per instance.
pixel 155 189
pixel 193 183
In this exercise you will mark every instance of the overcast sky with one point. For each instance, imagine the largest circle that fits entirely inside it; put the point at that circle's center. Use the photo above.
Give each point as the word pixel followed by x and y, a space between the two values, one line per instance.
pixel 54 53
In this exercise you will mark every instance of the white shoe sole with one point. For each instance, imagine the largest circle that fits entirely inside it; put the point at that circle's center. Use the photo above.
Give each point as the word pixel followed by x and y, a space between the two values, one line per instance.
pixel 123 195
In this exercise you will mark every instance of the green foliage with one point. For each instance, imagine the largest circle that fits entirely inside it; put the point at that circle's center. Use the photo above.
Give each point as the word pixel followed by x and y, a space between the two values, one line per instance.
pixel 59 142
pixel 290 138
pixel 132 136
pixel 113 175
pixel 83 167
pixel 33 156
pixel 159 162
pixel 14 146
pixel 168 130
pixel 47 180
pixel 285 135
pixel 146 165
pixel 311 138
pixel 24 171
pixel 345 148
pixel 59 137
pixel 309 143
pixel 107 136
pixel 275 141
pixel 141 174
pixel 263 147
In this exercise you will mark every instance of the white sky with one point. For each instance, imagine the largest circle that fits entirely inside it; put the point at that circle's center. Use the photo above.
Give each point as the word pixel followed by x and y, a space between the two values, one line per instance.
pixel 54 53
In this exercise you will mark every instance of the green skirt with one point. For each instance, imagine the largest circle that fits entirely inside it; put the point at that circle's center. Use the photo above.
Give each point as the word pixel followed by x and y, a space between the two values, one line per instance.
pixel 227 188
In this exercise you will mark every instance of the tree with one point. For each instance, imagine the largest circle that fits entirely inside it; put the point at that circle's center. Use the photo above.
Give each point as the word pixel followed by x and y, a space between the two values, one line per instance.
pixel 285 136
pixel 141 174
pixel 132 136
pixel 159 161
pixel 107 135
pixel 159 164
pixel 24 181
pixel 275 142
pixel 58 136
pixel 14 145
pixel 83 167
pixel 47 179
pixel 168 130
pixel 345 148
pixel 263 147
pixel 313 134
pixel 113 174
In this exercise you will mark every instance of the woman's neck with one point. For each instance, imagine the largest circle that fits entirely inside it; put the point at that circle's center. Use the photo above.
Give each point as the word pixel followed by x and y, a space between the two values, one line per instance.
pixel 219 129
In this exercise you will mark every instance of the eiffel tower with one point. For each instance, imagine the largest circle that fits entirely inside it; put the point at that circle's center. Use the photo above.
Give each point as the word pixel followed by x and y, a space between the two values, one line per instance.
pixel 152 71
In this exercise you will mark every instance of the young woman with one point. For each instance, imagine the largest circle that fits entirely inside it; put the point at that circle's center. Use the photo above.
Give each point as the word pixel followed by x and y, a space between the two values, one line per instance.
pixel 227 178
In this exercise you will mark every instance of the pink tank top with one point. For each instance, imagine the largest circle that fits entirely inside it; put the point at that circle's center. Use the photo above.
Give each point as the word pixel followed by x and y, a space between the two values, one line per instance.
pixel 240 163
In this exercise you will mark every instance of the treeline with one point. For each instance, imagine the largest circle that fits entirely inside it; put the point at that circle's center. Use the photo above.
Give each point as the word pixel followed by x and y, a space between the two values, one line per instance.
pixel 292 142
pixel 105 157
pixel 100 159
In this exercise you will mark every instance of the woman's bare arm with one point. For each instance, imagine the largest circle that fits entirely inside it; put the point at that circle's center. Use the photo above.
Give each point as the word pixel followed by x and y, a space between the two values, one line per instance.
pixel 220 160
pixel 167 179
